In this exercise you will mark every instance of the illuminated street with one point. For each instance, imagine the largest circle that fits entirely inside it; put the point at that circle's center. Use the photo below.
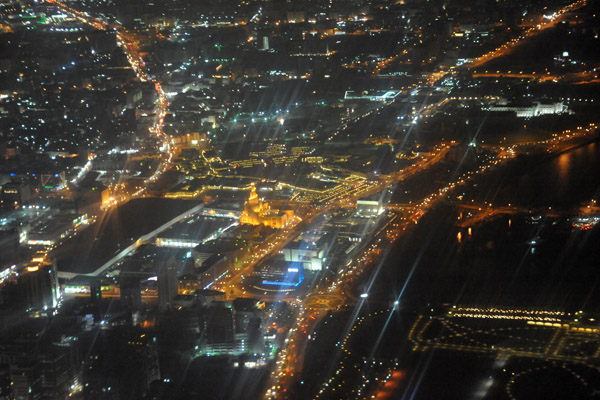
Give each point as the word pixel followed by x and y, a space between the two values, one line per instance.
pixel 314 200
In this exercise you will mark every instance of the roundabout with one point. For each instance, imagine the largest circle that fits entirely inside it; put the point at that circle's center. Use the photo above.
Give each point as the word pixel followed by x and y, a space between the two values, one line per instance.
pixel 324 302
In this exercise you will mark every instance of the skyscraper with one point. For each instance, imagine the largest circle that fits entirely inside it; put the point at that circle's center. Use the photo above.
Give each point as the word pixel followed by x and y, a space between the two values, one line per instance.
pixel 167 284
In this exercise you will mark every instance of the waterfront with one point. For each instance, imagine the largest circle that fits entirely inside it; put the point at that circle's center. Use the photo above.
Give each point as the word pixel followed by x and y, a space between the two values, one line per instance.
pixel 510 262
pixel 299 200
pixel 565 180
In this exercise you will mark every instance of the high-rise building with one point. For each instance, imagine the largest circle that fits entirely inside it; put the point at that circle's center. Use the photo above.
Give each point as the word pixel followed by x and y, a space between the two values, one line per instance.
pixel 248 324
pixel 39 286
pixel 167 284
pixel 146 354
pixel 9 247
pixel 69 347
pixel 26 381
pixel 55 372
pixel 219 330
pixel 4 382
pixel 265 43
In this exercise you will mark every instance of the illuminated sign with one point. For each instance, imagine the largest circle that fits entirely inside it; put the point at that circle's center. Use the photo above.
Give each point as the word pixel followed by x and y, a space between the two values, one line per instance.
pixel 186 244
pixel 35 242
pixel 77 289
pixel 275 283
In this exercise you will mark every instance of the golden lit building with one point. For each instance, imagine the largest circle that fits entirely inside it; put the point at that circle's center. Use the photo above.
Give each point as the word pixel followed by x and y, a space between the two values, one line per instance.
pixel 258 212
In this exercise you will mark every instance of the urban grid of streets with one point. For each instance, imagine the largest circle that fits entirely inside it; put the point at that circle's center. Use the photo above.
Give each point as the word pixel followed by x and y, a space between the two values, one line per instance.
pixel 310 307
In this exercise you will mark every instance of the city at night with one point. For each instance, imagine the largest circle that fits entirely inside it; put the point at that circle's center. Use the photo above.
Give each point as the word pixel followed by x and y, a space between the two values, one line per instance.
pixel 299 199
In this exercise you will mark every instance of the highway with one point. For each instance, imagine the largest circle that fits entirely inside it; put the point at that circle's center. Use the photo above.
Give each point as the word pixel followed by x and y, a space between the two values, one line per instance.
pixel 545 22
pixel 581 77
pixel 233 285
pixel 289 359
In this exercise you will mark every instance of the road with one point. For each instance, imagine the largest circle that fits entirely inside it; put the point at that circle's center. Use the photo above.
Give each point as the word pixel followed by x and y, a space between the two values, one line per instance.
pixel 233 285
pixel 545 22
pixel 581 77
pixel 142 239
pixel 128 42
pixel 506 48
pixel 289 359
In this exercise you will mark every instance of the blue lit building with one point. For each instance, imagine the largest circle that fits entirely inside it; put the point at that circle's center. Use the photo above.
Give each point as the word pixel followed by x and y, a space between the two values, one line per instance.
pixel 283 273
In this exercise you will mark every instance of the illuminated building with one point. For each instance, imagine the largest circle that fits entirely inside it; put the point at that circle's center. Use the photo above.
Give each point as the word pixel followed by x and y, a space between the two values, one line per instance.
pixel 535 109
pixel 295 17
pixel 48 233
pixel 92 287
pixel 191 232
pixel 16 193
pixel 187 284
pixel 372 96
pixel 248 326
pixel 370 207
pixel 258 212
pixel 224 209
pixel 211 270
pixel 185 192
pixel 38 284
pixel 189 139
pixel 265 43
pixel 278 272
pixel 311 254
